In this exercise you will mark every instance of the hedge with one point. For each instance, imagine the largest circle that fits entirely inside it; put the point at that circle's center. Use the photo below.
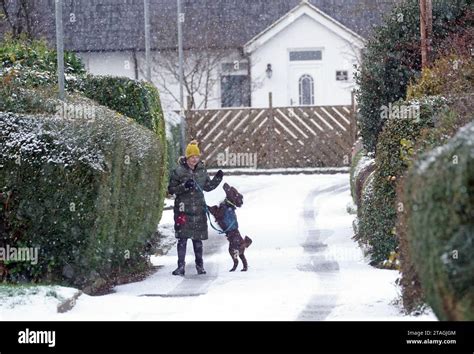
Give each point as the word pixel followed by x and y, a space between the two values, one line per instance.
pixel 439 192
pixel 451 77
pixel 31 63
pixel 135 99
pixel 364 211
pixel 391 59
pixel 362 166
pixel 79 190
pixel 395 149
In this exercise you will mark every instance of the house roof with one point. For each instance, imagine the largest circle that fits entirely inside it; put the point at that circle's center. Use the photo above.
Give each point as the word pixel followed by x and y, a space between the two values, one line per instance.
pixel 111 25
pixel 304 8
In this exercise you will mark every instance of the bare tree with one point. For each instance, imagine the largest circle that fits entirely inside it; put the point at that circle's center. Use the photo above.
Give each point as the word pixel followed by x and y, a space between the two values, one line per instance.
pixel 18 16
pixel 201 70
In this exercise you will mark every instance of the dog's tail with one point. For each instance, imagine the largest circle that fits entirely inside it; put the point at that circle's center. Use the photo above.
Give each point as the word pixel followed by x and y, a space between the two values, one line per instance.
pixel 247 241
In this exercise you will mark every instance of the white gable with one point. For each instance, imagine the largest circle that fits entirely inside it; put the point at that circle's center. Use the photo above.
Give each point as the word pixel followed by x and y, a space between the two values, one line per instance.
pixel 305 9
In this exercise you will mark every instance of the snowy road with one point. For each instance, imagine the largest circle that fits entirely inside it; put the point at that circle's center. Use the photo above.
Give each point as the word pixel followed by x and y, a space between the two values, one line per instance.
pixel 303 265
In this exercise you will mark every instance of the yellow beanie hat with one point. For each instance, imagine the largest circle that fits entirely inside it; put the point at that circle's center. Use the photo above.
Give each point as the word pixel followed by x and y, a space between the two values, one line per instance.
pixel 192 149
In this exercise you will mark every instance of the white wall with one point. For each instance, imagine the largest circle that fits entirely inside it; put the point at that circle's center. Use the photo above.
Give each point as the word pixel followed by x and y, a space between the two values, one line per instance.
pixel 123 64
pixel 109 63
pixel 168 85
pixel 304 32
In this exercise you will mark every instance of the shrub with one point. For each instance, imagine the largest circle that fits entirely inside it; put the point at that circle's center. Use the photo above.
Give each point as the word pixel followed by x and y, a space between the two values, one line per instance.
pixel 392 59
pixel 80 191
pixel 449 76
pixel 137 100
pixel 395 150
pixel 439 195
pixel 28 64
pixel 362 166
pixel 453 80
pixel 364 213
pixel 31 63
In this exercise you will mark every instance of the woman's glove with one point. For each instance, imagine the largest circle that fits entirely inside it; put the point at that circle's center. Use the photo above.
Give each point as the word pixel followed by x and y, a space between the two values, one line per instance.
pixel 219 174
pixel 189 184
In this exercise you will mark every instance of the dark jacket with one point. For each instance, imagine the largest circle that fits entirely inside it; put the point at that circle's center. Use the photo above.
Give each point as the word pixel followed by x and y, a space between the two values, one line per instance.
pixel 189 206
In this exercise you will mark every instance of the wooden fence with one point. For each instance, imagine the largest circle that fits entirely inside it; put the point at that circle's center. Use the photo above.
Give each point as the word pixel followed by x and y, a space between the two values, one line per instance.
pixel 275 137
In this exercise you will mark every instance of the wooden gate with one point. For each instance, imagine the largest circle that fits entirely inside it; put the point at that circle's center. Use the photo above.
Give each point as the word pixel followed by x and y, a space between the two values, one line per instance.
pixel 275 137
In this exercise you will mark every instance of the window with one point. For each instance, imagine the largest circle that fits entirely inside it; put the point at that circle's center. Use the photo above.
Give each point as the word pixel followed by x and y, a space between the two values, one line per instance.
pixel 306 90
pixel 235 91
pixel 302 55
pixel 342 75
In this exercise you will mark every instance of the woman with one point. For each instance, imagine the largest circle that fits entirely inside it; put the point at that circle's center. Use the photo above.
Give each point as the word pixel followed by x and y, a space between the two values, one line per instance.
pixel 188 181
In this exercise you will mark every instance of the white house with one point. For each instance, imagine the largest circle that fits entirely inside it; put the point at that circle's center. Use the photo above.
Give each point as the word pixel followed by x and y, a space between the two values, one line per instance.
pixel 304 58
pixel 236 52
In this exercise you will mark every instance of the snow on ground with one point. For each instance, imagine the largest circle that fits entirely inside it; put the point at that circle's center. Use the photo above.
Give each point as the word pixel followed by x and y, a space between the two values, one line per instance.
pixel 23 303
pixel 303 265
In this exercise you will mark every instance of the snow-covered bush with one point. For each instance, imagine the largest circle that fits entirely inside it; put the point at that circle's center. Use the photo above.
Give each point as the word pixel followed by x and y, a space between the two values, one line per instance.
pixel 364 212
pixel 395 150
pixel 138 100
pixel 135 99
pixel 362 166
pixel 31 63
pixel 86 191
pixel 439 198
pixel 454 81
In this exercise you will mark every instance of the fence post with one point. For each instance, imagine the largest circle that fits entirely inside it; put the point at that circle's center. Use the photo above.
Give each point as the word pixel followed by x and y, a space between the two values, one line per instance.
pixel 271 141
pixel 354 117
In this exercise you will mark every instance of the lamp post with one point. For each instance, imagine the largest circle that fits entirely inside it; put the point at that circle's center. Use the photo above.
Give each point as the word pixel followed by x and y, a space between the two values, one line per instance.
pixel 146 6
pixel 60 46
pixel 181 76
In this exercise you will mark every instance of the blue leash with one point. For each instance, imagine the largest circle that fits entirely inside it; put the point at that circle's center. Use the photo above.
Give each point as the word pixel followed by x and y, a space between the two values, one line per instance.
pixel 209 214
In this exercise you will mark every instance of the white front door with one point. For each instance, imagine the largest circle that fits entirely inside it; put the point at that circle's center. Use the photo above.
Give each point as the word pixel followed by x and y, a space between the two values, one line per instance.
pixel 304 84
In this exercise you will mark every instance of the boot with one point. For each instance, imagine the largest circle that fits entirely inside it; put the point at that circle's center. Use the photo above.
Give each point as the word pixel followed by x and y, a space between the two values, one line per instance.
pixel 179 270
pixel 181 256
pixel 200 269
pixel 197 244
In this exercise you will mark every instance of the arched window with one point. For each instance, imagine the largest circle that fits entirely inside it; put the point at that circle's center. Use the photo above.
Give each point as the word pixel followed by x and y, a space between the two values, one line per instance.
pixel 306 90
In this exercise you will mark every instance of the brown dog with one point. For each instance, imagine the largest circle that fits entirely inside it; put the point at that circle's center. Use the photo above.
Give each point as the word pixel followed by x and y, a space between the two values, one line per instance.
pixel 225 217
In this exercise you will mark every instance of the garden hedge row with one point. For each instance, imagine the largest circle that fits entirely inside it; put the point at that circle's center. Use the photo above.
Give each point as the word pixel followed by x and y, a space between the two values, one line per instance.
pixel 135 99
pixel 377 221
pixel 83 183
pixel 80 191
pixel 439 196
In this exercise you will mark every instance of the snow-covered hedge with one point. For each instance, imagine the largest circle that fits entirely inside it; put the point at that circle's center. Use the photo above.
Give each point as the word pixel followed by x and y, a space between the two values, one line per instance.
pixel 450 81
pixel 135 99
pixel 439 195
pixel 86 191
pixel 365 211
pixel 395 150
pixel 138 100
pixel 362 166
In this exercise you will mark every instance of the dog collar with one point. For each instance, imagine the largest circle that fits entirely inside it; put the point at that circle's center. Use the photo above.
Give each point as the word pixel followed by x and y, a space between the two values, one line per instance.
pixel 228 201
